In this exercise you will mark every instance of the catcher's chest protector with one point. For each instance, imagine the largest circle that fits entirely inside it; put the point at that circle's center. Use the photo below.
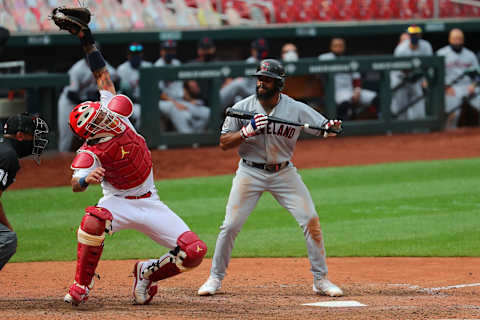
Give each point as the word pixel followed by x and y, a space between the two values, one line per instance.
pixel 125 158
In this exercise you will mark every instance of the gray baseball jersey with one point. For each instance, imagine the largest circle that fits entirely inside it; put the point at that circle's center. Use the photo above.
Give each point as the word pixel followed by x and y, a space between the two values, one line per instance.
pixel 457 63
pixel 130 76
pixel 410 91
pixel 455 66
pixel 273 145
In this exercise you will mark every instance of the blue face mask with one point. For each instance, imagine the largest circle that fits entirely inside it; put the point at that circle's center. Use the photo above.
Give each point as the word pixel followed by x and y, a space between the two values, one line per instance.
pixel 169 57
pixel 414 39
pixel 135 61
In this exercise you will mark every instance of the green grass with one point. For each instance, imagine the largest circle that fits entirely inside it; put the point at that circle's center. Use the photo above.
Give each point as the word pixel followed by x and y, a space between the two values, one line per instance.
pixel 401 209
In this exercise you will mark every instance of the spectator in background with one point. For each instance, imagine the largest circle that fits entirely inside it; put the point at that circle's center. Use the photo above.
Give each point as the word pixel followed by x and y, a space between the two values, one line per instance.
pixel 181 101
pixel 129 73
pixel 242 87
pixel 289 52
pixel 82 87
pixel 206 51
pixel 458 85
pixel 349 95
pixel 411 87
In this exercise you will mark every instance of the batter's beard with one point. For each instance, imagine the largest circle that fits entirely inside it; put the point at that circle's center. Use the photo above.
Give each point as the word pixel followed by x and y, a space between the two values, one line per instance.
pixel 267 95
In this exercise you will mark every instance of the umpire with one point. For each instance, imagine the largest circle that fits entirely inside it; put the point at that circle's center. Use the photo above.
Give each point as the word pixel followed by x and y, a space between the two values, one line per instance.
pixel 23 135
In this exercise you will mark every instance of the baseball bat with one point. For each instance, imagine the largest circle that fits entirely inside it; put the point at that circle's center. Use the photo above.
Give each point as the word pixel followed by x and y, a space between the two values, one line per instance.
pixel 241 114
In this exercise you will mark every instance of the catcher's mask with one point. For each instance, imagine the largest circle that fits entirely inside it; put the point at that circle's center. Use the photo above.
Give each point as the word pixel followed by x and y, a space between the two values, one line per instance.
pixel 273 69
pixel 90 118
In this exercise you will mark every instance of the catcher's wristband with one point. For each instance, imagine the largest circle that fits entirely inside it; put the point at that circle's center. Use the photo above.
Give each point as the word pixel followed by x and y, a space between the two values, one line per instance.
pixel 95 60
pixel 82 182
pixel 87 38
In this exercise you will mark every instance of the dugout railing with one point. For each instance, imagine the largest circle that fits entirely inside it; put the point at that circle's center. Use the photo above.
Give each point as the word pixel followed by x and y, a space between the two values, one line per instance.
pixel 432 67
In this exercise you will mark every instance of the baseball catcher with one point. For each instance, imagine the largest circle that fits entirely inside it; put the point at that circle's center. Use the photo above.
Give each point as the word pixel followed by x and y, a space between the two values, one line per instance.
pixel 117 157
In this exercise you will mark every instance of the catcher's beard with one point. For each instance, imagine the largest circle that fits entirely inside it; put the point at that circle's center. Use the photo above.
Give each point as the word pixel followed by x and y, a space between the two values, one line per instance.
pixel 268 94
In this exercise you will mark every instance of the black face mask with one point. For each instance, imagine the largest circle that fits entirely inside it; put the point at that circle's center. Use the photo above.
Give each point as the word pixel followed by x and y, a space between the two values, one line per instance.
pixel 456 47
pixel 135 61
pixel 208 57
pixel 267 95
pixel 23 148
pixel 169 57
pixel 414 39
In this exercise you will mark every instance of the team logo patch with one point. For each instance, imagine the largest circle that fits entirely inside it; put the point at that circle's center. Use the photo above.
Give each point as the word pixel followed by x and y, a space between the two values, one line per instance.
pixel 123 152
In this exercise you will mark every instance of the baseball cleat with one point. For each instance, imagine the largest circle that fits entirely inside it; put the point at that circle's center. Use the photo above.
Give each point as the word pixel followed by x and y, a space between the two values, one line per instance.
pixel 210 287
pixel 324 286
pixel 142 291
pixel 76 294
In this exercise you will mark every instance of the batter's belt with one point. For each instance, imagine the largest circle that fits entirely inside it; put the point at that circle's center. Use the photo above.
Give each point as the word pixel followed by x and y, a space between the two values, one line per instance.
pixel 270 167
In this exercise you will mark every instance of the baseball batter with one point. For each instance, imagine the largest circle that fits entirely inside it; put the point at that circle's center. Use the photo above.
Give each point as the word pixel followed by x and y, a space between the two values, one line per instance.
pixel 116 156
pixel 266 149
pixel 410 91
pixel 458 60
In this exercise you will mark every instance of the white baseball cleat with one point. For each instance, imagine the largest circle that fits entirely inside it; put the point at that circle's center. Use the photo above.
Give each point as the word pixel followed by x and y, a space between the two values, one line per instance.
pixel 143 290
pixel 210 287
pixel 324 286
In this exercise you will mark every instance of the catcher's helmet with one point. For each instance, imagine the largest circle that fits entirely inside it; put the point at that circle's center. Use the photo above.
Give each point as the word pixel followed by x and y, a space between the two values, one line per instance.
pixel 273 69
pixel 89 118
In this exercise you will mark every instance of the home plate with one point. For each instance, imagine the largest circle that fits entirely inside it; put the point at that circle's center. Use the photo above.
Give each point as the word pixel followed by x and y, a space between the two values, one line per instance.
pixel 335 304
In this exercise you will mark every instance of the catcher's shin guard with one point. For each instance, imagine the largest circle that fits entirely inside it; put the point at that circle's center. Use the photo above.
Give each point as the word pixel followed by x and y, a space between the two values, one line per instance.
pixel 91 234
pixel 188 254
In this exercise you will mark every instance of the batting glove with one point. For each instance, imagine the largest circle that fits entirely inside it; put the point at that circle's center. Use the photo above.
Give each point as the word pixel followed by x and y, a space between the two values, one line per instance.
pixel 332 127
pixel 257 123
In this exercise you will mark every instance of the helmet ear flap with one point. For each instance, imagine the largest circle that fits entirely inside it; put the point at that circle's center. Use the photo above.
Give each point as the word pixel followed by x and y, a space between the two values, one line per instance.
pixel 279 83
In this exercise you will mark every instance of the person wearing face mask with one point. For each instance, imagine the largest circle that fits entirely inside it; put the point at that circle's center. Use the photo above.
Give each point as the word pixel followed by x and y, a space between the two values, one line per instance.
pixel 242 87
pixel 129 73
pixel 411 90
pixel 206 51
pixel 171 90
pixel 289 52
pixel 23 135
pixel 349 94
pixel 82 87
pixel 459 85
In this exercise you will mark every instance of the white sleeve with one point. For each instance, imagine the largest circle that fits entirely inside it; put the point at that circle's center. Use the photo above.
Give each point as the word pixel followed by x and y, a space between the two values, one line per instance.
pixel 309 115
pixel 79 173
pixel 105 97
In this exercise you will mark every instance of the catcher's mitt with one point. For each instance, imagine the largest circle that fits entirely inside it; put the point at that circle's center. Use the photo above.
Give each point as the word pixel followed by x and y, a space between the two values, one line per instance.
pixel 71 19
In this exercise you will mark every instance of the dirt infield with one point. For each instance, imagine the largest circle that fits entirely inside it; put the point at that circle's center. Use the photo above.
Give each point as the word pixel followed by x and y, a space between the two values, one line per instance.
pixel 391 288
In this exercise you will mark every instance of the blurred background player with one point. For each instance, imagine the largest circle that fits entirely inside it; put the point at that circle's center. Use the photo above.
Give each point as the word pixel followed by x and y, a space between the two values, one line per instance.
pixel 411 87
pixel 289 52
pixel 349 95
pixel 206 52
pixel 116 156
pixel 458 60
pixel 242 87
pixel 23 135
pixel 129 73
pixel 181 100
pixel 82 87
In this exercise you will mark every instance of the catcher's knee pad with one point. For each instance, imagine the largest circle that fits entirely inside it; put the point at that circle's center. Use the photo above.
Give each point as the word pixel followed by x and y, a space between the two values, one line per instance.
pixel 91 234
pixel 188 254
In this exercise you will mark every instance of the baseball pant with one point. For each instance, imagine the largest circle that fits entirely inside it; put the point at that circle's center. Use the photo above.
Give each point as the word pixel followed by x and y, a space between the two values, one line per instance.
pixel 402 98
pixel 194 119
pixel 289 190
pixel 8 244
pixel 150 216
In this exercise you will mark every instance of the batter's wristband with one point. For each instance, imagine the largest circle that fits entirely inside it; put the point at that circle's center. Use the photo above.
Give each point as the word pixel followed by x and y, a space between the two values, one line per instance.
pixel 95 60
pixel 82 182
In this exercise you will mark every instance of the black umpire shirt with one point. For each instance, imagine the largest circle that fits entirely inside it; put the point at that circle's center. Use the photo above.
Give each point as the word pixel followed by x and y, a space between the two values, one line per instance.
pixel 9 164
